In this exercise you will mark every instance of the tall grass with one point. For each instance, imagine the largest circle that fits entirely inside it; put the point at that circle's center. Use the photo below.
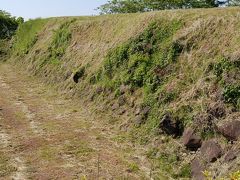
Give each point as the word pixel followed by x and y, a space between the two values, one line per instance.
pixel 26 35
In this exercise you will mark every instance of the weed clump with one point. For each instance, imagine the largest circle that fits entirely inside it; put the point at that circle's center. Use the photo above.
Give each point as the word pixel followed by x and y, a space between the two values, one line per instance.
pixel 57 48
pixel 231 94
pixel 138 62
pixel 60 42
pixel 227 72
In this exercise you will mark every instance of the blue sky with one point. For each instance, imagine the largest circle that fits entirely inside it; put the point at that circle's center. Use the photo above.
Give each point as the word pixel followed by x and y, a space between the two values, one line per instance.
pixel 50 8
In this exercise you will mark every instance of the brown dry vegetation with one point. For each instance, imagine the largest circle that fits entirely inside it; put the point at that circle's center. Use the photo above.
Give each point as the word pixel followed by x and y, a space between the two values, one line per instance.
pixel 198 78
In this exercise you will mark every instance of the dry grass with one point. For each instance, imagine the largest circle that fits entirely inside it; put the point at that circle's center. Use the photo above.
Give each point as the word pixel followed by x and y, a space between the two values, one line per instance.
pixel 207 35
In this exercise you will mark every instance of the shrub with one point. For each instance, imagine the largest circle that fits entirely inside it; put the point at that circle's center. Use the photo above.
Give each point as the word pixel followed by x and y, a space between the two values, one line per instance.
pixel 134 63
pixel 223 65
pixel 8 25
pixel 231 94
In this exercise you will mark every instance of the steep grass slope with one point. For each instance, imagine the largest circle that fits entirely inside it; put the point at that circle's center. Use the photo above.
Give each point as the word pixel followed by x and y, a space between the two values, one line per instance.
pixel 160 72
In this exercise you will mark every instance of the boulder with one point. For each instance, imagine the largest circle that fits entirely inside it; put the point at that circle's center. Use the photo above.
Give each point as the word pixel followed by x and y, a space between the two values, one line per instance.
pixel 230 130
pixel 171 126
pixel 211 150
pixel 191 140
pixel 197 168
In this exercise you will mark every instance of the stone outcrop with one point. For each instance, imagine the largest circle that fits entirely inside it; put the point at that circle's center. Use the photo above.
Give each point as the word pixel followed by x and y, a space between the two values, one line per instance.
pixel 230 130
pixel 211 150
pixel 191 140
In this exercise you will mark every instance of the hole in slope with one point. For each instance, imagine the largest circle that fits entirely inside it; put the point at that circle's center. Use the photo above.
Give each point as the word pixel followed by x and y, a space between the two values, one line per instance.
pixel 78 75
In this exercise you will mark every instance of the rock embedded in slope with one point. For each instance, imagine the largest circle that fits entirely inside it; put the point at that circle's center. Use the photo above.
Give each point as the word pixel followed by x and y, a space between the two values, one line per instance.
pixel 191 140
pixel 211 150
pixel 230 130
pixel 142 114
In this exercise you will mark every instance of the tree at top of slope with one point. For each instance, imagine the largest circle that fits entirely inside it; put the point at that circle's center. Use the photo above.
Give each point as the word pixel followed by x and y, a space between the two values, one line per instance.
pixel 133 6
pixel 8 24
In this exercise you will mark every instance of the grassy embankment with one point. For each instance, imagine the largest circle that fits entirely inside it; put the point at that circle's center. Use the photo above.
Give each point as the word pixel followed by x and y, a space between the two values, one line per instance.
pixel 180 63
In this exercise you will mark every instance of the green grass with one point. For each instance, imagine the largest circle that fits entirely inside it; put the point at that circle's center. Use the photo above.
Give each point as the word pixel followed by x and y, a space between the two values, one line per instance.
pixel 60 41
pixel 133 168
pixel 137 62
pixel 177 62
pixel 224 69
pixel 134 62
pixel 27 35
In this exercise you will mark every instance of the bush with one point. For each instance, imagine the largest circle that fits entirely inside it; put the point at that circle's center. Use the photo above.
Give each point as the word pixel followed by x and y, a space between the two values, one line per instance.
pixel 222 66
pixel 8 25
pixel 231 94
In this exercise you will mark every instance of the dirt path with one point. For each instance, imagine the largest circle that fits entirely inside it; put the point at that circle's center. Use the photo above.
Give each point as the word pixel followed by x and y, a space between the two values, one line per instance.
pixel 46 136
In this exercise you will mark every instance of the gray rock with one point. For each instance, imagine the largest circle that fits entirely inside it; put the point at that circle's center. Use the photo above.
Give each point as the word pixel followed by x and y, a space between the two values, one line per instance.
pixel 191 140
pixel 230 130
pixel 211 150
